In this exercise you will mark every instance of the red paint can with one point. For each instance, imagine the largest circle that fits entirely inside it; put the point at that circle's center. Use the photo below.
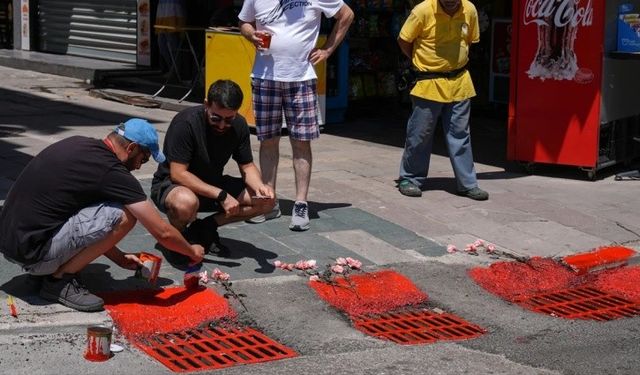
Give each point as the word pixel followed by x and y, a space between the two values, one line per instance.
pixel 151 267
pixel 98 343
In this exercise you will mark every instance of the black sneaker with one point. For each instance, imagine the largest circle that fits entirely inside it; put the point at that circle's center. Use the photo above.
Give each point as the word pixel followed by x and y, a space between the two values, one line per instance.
pixel 205 232
pixel 71 293
pixel 476 194
pixel 407 188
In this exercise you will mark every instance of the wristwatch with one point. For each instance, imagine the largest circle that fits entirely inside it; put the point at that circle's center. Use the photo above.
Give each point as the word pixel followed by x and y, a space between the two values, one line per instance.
pixel 222 196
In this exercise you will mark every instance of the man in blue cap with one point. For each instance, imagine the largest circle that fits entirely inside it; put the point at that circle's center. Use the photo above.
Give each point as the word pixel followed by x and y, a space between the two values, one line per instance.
pixel 74 202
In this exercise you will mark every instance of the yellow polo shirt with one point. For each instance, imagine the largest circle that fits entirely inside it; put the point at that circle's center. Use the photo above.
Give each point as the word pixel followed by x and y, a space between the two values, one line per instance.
pixel 441 44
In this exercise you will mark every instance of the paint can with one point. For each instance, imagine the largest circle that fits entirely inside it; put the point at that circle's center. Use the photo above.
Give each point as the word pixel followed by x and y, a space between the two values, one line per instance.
pixel 98 343
pixel 151 267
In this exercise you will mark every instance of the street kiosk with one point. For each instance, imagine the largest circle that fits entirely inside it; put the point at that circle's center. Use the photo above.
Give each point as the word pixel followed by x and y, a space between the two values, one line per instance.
pixel 573 93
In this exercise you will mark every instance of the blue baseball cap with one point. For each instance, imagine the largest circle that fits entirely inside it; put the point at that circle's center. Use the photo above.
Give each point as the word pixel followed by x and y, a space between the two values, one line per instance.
pixel 143 133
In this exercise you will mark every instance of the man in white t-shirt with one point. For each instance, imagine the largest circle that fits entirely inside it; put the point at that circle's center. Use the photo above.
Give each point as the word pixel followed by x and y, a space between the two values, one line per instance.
pixel 283 79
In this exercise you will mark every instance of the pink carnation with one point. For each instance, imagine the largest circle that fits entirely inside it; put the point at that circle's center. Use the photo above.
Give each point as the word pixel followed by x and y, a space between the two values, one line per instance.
pixel 219 275
pixel 203 277
pixel 314 278
pixel 337 268
pixel 341 261
pixel 305 264
pixel 471 248
pixel 353 263
pixel 277 263
pixel 491 248
pixel 478 243
pixel 287 266
pixel 451 249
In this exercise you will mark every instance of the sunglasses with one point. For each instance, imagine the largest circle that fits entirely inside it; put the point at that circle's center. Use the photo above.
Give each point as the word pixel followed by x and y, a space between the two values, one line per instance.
pixel 146 153
pixel 216 119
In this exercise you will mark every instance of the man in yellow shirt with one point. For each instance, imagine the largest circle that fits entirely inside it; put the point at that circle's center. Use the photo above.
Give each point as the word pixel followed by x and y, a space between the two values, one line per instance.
pixel 436 37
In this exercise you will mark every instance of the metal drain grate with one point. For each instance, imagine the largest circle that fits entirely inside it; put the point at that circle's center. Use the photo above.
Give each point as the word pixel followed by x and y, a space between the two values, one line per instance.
pixel 213 348
pixel 417 327
pixel 582 303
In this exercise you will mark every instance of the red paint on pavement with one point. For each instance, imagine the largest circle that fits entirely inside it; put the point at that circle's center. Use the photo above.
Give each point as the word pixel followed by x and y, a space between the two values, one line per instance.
pixel 516 279
pixel 624 281
pixel 165 310
pixel 601 258
pixel 374 292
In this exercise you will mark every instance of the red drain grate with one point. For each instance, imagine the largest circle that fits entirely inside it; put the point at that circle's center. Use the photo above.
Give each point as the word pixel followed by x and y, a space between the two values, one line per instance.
pixel 416 327
pixel 212 348
pixel 582 303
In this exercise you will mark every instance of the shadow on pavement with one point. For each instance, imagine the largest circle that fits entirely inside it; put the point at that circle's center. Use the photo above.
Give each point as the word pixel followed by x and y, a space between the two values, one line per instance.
pixel 39 116
pixel 97 277
pixel 25 287
pixel 240 250
pixel 286 206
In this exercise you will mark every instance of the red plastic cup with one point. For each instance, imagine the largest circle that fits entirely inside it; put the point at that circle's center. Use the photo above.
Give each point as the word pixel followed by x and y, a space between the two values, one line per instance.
pixel 266 40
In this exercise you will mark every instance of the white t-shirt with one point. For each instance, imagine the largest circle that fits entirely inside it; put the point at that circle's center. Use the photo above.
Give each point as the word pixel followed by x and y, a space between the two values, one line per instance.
pixel 294 25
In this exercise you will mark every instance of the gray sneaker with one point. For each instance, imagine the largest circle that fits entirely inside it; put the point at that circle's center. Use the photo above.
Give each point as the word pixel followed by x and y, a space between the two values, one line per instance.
pixel 299 216
pixel 71 293
pixel 274 214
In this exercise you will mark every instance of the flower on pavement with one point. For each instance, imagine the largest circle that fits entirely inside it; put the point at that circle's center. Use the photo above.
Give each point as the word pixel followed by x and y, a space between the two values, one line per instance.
pixel 223 279
pixel 340 267
pixel 218 275
pixel 204 279
pixel 471 248
pixel 451 249
pixel 354 263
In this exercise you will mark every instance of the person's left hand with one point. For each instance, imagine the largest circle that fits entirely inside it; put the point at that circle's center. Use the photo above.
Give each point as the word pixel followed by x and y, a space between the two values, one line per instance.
pixel 265 191
pixel 318 55
pixel 130 261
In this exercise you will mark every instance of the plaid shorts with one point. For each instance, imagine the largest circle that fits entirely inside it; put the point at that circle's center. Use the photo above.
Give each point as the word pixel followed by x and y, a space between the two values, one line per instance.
pixel 298 100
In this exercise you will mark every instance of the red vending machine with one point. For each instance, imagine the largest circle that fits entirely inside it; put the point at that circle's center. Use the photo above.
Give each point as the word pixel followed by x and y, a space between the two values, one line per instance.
pixel 562 95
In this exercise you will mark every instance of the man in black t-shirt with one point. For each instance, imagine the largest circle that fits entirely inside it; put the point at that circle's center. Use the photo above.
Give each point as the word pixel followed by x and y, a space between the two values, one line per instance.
pixel 199 143
pixel 74 202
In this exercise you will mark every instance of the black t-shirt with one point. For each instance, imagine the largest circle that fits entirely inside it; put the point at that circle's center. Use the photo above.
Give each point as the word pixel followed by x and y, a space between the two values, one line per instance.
pixel 190 140
pixel 60 181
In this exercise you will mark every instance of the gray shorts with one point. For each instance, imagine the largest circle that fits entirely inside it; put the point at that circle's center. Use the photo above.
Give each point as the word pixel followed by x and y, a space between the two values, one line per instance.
pixel 88 226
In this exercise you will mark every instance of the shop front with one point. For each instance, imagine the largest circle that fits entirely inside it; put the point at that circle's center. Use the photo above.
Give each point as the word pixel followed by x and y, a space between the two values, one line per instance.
pixel 114 30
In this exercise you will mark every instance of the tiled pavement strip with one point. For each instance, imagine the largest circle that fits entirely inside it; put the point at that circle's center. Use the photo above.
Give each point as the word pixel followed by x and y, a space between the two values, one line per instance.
pixel 355 207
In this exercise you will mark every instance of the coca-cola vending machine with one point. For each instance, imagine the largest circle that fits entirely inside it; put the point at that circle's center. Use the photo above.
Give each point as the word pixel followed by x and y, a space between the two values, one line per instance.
pixel 556 86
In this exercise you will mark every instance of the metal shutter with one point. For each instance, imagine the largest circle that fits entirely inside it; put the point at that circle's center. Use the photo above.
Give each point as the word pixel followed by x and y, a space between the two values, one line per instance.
pixel 103 29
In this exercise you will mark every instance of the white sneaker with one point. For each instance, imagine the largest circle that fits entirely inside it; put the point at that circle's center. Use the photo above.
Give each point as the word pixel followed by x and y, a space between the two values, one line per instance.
pixel 274 214
pixel 299 216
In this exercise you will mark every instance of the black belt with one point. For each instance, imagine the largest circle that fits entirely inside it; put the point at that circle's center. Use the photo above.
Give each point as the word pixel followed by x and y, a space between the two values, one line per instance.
pixel 431 75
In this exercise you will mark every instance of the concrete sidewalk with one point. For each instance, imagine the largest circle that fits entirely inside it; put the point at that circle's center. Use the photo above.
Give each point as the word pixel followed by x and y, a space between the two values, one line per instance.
pixel 356 209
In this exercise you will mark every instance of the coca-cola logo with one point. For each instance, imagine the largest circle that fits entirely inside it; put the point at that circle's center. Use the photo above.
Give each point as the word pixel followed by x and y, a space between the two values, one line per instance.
pixel 561 12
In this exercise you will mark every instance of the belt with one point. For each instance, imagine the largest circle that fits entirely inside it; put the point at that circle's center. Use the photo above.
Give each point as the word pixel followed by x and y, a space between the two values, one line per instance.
pixel 431 75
